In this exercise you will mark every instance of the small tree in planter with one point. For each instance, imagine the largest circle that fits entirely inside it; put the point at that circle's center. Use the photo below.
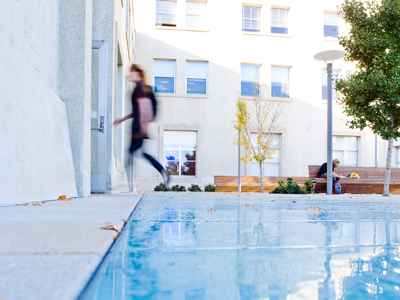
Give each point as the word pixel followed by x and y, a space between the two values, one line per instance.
pixel 258 118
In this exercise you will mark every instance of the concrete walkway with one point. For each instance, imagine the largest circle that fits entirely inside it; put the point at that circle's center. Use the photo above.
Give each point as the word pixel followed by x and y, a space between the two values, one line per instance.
pixel 51 251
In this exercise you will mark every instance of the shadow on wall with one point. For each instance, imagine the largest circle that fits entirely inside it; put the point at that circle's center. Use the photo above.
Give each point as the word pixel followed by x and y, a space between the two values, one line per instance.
pixel 36 159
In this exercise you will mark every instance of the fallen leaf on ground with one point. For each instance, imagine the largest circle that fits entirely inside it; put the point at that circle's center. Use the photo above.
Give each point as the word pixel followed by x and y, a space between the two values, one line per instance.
pixel 112 226
pixel 63 197
pixel 37 203
pixel 115 238
pixel 126 220
pixel 22 204
pixel 294 201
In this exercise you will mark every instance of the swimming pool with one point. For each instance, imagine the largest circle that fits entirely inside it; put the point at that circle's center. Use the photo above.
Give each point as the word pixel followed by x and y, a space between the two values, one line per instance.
pixel 195 246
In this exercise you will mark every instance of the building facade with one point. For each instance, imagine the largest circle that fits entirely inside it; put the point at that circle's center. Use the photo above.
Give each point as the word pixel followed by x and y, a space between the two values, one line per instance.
pixel 62 68
pixel 200 56
pixel 62 84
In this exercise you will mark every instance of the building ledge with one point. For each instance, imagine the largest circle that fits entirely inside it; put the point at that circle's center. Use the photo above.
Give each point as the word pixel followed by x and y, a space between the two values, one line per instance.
pixel 331 39
pixel 170 95
pixel 269 34
pixel 181 29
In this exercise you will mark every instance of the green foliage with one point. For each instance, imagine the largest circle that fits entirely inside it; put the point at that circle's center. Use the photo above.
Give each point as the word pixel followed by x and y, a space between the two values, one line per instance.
pixel 194 188
pixel 160 188
pixel 178 188
pixel 309 186
pixel 209 188
pixel 371 96
pixel 290 188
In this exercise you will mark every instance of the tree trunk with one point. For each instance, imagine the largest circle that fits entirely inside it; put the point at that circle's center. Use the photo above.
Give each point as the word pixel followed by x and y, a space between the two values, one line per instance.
pixel 261 177
pixel 388 167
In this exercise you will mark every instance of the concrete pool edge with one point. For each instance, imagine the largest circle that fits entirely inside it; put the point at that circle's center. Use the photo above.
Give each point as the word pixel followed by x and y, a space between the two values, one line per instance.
pixel 51 251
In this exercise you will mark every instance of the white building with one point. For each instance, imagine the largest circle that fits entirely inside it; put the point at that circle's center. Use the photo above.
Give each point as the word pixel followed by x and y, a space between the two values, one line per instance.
pixel 62 67
pixel 61 71
pixel 200 54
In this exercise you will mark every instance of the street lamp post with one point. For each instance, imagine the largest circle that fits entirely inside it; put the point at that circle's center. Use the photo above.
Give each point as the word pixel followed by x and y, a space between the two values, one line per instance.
pixel 328 57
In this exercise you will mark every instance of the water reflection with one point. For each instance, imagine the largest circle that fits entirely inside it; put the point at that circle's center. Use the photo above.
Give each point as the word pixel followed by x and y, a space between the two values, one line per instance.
pixel 188 247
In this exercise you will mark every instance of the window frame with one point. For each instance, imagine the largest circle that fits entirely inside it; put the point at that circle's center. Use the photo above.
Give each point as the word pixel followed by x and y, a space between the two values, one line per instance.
pixel 342 162
pixel 337 25
pixel 271 20
pixel 203 16
pixel 197 61
pixel 259 71
pixel 268 162
pixel 175 14
pixel 154 76
pixel 288 82
pixel 252 19
pixel 180 154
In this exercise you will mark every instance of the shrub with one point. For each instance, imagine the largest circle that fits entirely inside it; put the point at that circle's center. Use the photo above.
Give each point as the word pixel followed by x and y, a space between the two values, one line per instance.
pixel 160 188
pixel 310 186
pixel 178 188
pixel 209 188
pixel 290 188
pixel 194 188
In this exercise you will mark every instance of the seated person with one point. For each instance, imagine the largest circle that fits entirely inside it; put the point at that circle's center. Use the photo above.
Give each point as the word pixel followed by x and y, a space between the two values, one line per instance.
pixel 324 169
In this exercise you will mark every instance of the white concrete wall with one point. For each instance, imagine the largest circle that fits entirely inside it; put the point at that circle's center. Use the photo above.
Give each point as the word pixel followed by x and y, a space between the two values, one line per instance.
pixel 225 47
pixel 35 156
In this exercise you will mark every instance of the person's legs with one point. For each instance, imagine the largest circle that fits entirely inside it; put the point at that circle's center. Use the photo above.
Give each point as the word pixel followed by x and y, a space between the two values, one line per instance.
pixel 135 145
pixel 158 166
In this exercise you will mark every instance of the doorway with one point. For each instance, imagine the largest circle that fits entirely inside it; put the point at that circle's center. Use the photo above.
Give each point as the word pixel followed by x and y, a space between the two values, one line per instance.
pixel 98 117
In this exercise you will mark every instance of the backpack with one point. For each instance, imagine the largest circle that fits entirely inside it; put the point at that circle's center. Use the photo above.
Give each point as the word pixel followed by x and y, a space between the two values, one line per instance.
pixel 337 188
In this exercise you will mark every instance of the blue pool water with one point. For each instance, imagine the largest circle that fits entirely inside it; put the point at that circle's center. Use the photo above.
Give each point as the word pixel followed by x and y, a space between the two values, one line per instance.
pixel 223 246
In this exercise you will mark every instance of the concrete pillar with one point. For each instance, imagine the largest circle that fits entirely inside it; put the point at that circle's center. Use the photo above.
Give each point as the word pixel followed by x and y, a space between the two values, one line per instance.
pixel 75 50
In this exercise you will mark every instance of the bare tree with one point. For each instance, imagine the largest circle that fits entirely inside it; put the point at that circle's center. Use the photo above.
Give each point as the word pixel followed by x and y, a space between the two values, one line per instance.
pixel 258 119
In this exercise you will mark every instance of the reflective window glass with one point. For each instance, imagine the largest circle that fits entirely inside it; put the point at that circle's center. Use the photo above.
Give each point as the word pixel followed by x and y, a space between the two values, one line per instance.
pixel 180 152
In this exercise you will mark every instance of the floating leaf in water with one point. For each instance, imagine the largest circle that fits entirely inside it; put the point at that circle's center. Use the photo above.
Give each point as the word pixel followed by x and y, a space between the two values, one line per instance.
pixel 272 201
pixel 313 209
pixel 112 226
pixel 294 201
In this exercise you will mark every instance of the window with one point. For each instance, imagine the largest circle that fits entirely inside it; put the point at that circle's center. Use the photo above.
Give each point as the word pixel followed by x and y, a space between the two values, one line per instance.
pixel 345 148
pixel 196 15
pixel 249 75
pixel 196 77
pixel 335 75
pixel 164 76
pixel 165 13
pixel 279 20
pixel 251 18
pixel 271 167
pixel 180 152
pixel 280 82
pixel 331 25
pixel 398 156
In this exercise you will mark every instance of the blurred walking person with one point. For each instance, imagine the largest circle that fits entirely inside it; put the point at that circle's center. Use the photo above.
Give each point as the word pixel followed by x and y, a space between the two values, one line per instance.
pixel 144 108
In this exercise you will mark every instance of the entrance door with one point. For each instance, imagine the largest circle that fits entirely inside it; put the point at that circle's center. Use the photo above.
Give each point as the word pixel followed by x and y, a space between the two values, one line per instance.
pixel 98 116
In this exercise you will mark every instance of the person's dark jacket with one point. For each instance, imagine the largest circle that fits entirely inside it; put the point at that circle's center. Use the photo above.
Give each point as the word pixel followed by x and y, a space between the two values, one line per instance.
pixel 324 169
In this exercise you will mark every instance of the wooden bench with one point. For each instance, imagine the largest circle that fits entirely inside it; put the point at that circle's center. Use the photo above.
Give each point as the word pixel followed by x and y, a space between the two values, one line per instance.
pixel 252 183
pixel 371 180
